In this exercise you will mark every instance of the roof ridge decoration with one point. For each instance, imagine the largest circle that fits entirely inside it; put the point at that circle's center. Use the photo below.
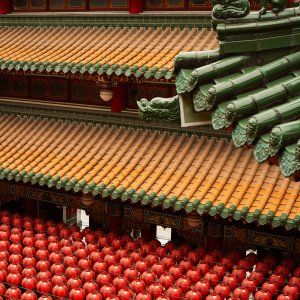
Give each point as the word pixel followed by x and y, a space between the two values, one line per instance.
pixel 250 84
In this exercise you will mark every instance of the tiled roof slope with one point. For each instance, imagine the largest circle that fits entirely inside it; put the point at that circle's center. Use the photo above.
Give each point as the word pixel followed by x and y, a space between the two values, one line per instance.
pixel 258 96
pixel 155 168
pixel 138 51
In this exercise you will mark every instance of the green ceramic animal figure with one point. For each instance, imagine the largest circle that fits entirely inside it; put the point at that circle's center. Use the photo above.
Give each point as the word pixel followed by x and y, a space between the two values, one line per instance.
pixel 160 109
pixel 277 6
pixel 224 9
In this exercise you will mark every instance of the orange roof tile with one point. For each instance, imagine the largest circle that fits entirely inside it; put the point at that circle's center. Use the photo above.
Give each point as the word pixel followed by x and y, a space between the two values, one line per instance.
pixel 148 51
pixel 166 169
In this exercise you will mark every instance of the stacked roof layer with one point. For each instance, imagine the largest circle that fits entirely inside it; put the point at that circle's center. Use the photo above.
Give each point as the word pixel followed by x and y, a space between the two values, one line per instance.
pixel 130 51
pixel 175 171
pixel 256 94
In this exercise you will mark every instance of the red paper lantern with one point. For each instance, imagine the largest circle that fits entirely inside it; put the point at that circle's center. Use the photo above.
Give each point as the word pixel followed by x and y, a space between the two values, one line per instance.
pixel 110 259
pixel 125 294
pixel 108 250
pixel 282 270
pixel 295 281
pixel 44 275
pixel 262 295
pixel 72 272
pixel 168 262
pixel 2 289
pixel 137 286
pixel 14 279
pixel 29 283
pixel 27 272
pixel 15 248
pixel 174 293
pixel 158 269
pixel 143 295
pixel 131 274
pixel 55 257
pixel 57 268
pixel 60 291
pixel 148 277
pixel 120 282
pixel 213 296
pixel 77 294
pixel 29 295
pixel 94 296
pixel 3 275
pixel 262 267
pixel 126 262
pixel 155 289
pixel 146 249
pixel 193 295
pixel 90 287
pixel 166 280
pixel 142 265
pixel 203 268
pixel 176 254
pixel 103 279
pixel 115 270
pixel 151 259
pixel 87 275
pixel 176 271
pixel 257 276
pixel 44 286
pixel 242 293
pixel 291 290
pixel 184 283
pixel 81 253
pixel 161 252
pixel 29 262
pixel 15 258
pixel 222 290
pixel 186 265
pixel 250 284
pixel 240 274
pixel 43 265
pixel 193 275
pixel 74 283
pixel 194 257
pixel 107 290
pixel 121 253
pixel 212 278
pixel 70 261
pixel 231 281
pixel 96 256
pixel 99 267
pixel 13 293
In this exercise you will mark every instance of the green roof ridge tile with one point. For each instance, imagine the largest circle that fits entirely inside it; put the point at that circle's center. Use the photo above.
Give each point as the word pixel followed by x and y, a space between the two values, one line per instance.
pixel 121 70
pixel 112 69
pixel 277 94
pixel 79 186
pixel 169 202
pixel 282 135
pixel 108 191
pixel 264 121
pixel 128 194
pixel 43 180
pixel 20 175
pixel 11 175
pixel 181 204
pixel 239 137
pixel 93 187
pixel 35 179
pixel 191 206
pixel 27 177
pixel 4 173
pixel 218 117
pixel 149 198
pixel 70 184
pixel 94 68
pixel 52 181
pixel 62 183
pixel 117 193
pixel 261 148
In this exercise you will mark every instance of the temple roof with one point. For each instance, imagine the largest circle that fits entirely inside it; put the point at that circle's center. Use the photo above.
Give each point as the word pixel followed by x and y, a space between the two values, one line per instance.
pixel 159 168
pixel 99 50
pixel 254 93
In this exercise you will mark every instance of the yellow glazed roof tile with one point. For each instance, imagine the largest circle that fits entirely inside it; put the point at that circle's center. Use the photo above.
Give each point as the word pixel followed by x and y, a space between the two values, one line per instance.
pixel 91 48
pixel 166 169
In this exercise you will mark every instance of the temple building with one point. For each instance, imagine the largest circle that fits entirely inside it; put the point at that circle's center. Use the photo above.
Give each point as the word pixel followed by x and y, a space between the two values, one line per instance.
pixel 154 113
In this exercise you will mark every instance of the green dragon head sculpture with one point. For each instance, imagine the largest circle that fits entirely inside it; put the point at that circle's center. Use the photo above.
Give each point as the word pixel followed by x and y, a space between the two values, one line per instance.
pixel 160 109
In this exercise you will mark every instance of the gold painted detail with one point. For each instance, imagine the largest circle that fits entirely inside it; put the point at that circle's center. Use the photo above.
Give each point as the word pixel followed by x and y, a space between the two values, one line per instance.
pixel 42 195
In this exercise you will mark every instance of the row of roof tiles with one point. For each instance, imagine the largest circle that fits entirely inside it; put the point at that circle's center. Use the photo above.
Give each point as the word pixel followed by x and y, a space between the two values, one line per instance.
pixel 155 168
pixel 255 95
pixel 130 51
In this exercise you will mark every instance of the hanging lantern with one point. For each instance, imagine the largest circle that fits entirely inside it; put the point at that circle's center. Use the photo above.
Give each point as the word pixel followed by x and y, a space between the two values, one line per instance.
pixel 194 219
pixel 87 200
pixel 106 94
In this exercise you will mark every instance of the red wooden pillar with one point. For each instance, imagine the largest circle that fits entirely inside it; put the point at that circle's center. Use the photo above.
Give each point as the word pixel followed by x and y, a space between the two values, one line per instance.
pixel 215 233
pixel 148 232
pixel 5 7
pixel 115 219
pixel 119 98
pixel 136 6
